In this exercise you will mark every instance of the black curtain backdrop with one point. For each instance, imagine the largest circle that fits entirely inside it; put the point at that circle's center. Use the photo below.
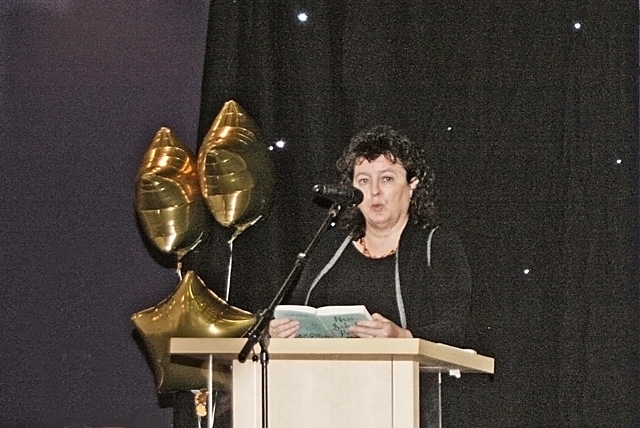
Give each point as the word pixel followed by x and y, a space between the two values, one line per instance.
pixel 531 125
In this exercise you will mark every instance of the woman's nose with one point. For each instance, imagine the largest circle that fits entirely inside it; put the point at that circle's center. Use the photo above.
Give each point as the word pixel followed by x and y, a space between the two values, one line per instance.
pixel 375 188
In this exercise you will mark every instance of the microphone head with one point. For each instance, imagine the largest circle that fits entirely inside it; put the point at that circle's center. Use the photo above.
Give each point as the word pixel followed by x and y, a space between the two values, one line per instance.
pixel 358 196
pixel 346 195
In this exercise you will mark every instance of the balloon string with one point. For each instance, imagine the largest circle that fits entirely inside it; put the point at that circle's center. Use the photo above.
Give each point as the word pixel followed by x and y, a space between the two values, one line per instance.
pixel 181 253
pixel 229 270
pixel 243 227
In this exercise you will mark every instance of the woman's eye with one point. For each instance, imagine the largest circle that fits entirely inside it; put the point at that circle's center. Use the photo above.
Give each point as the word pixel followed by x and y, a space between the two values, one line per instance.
pixel 362 181
pixel 387 179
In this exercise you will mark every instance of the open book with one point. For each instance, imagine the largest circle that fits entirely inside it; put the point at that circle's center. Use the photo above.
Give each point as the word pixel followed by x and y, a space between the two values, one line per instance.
pixel 328 321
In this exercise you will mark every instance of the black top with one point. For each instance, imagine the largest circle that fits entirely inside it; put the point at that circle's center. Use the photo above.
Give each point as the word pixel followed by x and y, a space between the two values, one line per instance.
pixel 359 280
pixel 436 296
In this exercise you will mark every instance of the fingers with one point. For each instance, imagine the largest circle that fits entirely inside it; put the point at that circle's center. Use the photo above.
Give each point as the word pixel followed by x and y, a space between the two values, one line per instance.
pixel 283 328
pixel 378 317
pixel 367 329
pixel 379 327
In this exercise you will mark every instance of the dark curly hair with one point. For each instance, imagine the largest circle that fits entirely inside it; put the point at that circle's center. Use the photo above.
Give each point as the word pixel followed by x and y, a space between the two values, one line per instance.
pixel 383 140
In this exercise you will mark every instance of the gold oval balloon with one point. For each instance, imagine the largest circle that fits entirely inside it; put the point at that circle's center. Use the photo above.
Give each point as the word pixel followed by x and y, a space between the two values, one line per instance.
pixel 168 198
pixel 235 169
pixel 192 310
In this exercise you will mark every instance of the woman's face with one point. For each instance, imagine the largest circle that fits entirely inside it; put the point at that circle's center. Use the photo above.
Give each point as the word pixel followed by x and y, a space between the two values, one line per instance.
pixel 386 192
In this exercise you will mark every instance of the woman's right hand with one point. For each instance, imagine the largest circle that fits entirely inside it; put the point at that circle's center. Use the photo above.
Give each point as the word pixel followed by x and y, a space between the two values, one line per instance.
pixel 283 328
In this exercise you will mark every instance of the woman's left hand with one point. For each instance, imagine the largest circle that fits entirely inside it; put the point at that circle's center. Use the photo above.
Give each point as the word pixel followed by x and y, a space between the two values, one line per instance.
pixel 379 327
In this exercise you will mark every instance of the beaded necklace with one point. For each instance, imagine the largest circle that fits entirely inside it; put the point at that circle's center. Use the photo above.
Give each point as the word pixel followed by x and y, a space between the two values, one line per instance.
pixel 367 253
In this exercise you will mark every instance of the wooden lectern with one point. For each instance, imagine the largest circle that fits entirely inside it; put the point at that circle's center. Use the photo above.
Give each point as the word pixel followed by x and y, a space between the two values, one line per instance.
pixel 334 382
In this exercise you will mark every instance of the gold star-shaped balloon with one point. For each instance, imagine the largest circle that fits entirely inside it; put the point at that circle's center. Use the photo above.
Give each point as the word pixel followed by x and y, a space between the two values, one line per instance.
pixel 235 169
pixel 192 310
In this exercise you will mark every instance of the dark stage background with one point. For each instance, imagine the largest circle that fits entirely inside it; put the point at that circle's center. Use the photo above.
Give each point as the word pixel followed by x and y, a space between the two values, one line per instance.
pixel 532 127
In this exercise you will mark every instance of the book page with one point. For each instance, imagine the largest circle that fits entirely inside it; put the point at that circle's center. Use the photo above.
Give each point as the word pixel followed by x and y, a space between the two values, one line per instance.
pixel 292 308
pixel 325 322
pixel 340 310
pixel 338 319
pixel 310 324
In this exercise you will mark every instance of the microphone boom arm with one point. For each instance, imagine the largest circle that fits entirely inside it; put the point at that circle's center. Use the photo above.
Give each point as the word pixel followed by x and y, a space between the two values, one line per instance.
pixel 260 327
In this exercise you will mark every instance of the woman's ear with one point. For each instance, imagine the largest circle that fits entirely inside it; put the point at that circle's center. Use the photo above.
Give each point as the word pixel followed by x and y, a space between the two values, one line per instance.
pixel 414 183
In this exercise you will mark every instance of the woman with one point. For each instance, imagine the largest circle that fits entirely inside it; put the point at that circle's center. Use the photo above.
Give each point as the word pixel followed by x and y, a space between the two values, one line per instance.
pixel 389 255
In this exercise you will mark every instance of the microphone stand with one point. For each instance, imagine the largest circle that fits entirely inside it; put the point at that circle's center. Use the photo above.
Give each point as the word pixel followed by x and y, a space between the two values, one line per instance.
pixel 258 333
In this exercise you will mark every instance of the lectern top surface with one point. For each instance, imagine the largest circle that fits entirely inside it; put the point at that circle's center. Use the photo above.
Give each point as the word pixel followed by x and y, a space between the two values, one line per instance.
pixel 433 356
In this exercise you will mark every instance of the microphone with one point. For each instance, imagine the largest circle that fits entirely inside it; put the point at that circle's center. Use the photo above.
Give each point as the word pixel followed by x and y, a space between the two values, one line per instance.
pixel 339 194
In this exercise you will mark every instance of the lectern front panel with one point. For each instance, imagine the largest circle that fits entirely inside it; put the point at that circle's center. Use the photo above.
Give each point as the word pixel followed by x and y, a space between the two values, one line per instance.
pixel 320 394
